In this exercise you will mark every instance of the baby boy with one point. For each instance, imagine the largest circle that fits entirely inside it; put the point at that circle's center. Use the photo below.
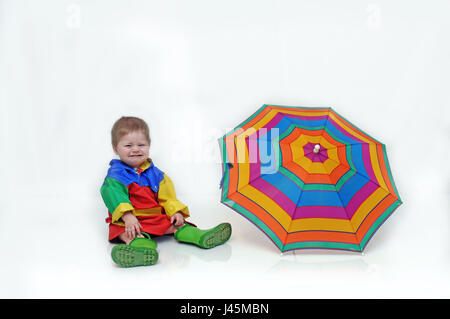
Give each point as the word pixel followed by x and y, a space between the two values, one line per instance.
pixel 141 201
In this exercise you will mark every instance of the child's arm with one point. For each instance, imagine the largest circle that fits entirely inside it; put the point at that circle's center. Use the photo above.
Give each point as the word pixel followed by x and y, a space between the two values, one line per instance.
pixel 115 197
pixel 168 199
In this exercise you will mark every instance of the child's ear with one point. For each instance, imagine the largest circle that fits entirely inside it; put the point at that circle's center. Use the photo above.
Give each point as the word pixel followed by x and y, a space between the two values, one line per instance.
pixel 115 150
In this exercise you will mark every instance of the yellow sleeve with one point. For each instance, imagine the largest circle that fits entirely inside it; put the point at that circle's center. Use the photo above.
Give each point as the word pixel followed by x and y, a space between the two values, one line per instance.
pixel 168 199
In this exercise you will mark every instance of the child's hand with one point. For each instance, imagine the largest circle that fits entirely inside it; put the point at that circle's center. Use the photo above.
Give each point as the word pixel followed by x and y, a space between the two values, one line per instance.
pixel 177 219
pixel 132 225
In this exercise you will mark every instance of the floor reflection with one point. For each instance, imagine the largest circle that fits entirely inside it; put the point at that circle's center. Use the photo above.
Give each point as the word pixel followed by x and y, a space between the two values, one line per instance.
pixel 319 261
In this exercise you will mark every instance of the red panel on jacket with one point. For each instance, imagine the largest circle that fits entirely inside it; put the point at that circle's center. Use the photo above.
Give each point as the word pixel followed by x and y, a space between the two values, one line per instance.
pixel 142 197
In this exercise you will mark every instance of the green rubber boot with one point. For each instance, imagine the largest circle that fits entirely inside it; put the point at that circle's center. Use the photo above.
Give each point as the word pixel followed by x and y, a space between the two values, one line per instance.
pixel 140 252
pixel 207 238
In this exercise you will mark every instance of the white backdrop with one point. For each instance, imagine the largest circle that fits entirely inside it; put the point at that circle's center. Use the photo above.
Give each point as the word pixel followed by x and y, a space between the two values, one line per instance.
pixel 193 70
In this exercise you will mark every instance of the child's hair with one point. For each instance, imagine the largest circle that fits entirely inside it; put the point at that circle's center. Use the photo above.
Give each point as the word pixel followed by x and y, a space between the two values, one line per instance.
pixel 126 125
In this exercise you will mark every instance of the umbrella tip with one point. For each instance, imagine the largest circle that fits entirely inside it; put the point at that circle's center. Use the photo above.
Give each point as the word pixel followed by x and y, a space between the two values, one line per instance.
pixel 316 148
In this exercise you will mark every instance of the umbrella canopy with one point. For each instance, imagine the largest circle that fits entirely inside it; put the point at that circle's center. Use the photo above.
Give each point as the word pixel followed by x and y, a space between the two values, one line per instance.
pixel 308 178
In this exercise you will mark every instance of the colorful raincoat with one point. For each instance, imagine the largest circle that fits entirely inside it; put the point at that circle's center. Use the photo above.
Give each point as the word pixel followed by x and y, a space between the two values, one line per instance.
pixel 147 192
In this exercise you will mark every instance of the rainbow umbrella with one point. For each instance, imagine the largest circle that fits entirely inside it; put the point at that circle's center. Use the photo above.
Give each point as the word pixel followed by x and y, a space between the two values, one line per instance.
pixel 308 178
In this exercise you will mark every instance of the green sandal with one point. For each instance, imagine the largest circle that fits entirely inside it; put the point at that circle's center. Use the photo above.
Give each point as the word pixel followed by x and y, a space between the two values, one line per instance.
pixel 208 238
pixel 140 252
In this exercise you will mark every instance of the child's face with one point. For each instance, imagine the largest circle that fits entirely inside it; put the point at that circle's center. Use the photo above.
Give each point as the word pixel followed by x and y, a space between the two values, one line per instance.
pixel 133 149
